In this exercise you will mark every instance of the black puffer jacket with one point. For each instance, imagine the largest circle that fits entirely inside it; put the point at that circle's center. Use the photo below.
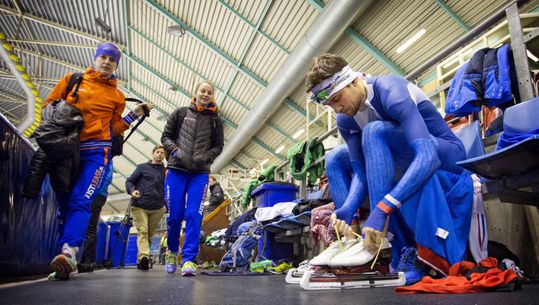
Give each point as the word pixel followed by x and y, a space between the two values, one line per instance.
pixel 59 132
pixel 149 180
pixel 195 136
pixel 58 155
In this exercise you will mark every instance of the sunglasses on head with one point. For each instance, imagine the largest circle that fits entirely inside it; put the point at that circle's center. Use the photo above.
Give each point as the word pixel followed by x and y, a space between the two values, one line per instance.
pixel 322 96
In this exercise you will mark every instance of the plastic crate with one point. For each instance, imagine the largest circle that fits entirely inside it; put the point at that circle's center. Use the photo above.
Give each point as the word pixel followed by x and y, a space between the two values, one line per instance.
pixel 268 194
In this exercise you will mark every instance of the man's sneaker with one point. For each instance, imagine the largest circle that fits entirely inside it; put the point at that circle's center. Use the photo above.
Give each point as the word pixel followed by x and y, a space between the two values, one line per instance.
pixel 55 276
pixel 281 268
pixel 65 262
pixel 261 266
pixel 171 262
pixel 189 269
pixel 144 264
pixel 413 270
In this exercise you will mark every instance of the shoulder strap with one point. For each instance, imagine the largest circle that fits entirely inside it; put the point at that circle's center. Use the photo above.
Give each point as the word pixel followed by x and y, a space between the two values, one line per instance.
pixel 75 80
pixel 146 114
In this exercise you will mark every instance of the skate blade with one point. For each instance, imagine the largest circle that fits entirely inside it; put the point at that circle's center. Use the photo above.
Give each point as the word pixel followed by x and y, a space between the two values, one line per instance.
pixel 293 276
pixel 313 281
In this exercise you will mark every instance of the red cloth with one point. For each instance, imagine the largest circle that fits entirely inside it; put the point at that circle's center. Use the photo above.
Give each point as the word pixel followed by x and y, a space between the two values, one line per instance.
pixel 456 282
pixel 321 226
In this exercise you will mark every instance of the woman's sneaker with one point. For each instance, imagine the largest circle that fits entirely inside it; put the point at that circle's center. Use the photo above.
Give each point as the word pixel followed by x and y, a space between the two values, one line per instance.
pixel 171 262
pixel 189 269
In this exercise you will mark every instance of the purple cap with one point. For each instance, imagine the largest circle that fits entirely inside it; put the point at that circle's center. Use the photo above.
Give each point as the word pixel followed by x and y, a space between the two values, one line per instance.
pixel 110 50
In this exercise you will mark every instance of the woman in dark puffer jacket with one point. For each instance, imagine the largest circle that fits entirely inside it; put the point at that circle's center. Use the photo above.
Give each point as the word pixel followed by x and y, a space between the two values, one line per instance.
pixel 193 138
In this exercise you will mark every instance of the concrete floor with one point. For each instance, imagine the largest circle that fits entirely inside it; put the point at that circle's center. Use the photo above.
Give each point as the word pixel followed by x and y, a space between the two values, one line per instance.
pixel 131 286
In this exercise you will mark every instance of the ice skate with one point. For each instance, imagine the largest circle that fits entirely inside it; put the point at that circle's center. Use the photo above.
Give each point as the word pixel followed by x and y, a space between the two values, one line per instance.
pixel 355 267
pixel 334 248
pixel 294 275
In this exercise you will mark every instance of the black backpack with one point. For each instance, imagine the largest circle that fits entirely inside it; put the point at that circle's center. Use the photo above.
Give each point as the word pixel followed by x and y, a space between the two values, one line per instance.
pixel 117 141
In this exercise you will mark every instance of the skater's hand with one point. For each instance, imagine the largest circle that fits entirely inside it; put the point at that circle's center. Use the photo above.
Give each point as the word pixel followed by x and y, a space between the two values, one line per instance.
pixel 374 228
pixel 372 239
pixel 135 194
pixel 342 227
pixel 140 111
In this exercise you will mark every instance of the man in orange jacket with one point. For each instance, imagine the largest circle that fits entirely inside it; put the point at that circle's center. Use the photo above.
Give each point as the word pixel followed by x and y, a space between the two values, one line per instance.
pixel 101 104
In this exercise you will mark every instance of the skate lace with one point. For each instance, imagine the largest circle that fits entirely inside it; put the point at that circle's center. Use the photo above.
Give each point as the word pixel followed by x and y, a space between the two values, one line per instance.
pixel 408 259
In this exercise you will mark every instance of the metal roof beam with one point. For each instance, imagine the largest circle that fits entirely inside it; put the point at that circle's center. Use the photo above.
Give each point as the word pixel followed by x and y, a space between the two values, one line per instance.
pixel 175 58
pixel 12 98
pixel 320 36
pixel 238 164
pixel 186 94
pixel 201 76
pixel 234 73
pixel 9 114
pixel 374 52
pixel 365 44
pixel 453 15
pixel 255 140
pixel 53 43
pixel 51 59
pixel 162 10
pixel 254 26
pixel 34 79
pixel 55 25
pixel 126 8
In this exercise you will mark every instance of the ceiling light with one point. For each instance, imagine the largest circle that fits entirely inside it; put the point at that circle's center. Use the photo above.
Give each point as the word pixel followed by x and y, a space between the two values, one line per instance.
pixel 279 149
pixel 298 133
pixel 264 161
pixel 411 40
pixel 531 56
pixel 176 30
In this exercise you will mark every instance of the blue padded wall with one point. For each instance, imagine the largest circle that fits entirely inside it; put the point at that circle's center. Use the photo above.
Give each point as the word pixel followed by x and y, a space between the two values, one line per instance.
pixel 28 228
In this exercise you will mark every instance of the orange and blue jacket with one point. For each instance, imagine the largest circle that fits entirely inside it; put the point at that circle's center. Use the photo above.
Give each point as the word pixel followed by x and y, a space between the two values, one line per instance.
pixel 101 104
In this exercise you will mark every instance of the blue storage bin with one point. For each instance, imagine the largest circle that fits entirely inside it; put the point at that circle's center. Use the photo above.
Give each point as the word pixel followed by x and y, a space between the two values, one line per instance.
pixel 116 243
pixel 101 244
pixel 132 251
pixel 268 194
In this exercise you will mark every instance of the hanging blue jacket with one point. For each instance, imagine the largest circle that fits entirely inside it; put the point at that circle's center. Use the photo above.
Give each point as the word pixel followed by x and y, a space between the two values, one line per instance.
pixel 496 76
pixel 466 92
pixel 484 80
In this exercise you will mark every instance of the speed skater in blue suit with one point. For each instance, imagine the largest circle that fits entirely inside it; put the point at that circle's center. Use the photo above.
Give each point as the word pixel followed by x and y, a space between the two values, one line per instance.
pixel 403 156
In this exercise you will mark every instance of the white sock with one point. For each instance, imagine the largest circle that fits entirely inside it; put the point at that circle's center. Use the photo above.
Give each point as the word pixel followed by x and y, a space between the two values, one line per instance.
pixel 71 250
